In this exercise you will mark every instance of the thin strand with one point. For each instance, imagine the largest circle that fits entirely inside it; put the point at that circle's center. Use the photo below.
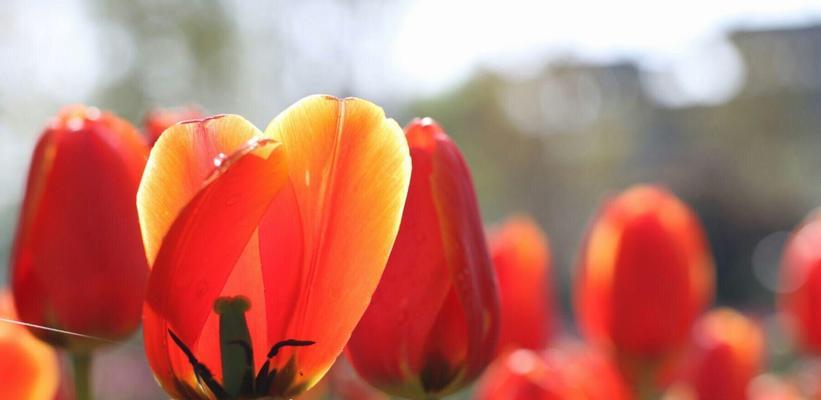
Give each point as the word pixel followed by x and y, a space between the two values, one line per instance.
pixel 46 328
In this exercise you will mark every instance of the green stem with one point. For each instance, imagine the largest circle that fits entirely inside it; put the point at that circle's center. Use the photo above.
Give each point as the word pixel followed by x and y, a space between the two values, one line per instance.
pixel 81 363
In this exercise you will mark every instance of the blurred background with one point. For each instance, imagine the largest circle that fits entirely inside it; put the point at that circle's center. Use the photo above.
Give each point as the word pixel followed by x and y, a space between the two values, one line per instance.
pixel 556 105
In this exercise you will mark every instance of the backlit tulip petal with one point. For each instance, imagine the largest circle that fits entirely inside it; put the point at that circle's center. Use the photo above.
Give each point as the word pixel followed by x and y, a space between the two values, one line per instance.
pixel 79 225
pixel 349 168
pixel 432 325
pixel 801 278
pixel 522 260
pixel 180 162
pixel 299 221
pixel 158 120
pixel 28 368
pixel 211 233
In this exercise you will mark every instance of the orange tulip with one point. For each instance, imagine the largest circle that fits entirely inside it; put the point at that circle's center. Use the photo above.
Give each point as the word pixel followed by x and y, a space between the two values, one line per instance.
pixel 645 276
pixel 78 262
pixel 567 372
pixel 159 119
pixel 521 255
pixel 727 355
pixel 432 325
pixel 266 247
pixel 28 368
pixel 801 276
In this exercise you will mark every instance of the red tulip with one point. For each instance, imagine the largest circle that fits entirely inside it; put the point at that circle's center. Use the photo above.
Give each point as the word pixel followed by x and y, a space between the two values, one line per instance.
pixel 263 265
pixel 567 372
pixel 78 262
pixel 645 276
pixel 521 255
pixel 432 325
pixel 801 275
pixel 159 119
pixel 727 355
pixel 28 368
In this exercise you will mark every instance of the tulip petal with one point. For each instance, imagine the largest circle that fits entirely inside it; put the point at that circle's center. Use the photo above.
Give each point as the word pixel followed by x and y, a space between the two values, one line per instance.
pixel 466 251
pixel 211 232
pixel 349 168
pixel 180 162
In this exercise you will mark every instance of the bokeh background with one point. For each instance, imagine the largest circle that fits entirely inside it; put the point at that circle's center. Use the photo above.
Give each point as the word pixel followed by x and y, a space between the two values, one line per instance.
pixel 556 105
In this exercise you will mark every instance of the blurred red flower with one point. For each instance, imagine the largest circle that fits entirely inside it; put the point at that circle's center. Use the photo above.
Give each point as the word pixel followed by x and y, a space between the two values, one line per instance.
pixel 28 367
pixel 801 281
pixel 283 234
pixel 727 354
pixel 432 325
pixel 521 257
pixel 645 275
pixel 78 262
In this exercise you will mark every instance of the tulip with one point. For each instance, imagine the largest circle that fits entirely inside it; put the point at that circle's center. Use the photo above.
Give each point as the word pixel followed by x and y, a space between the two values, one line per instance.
pixel 566 372
pixel 28 367
pixel 521 255
pixel 432 325
pixel 158 120
pixel 727 355
pixel 801 280
pixel 78 262
pixel 645 276
pixel 266 247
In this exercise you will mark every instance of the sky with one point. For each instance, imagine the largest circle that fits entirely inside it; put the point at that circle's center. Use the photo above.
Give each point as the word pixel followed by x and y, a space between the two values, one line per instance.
pixel 433 45
pixel 518 35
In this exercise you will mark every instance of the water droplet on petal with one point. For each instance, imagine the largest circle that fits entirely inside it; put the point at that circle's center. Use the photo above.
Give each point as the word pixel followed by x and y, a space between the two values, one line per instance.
pixel 219 159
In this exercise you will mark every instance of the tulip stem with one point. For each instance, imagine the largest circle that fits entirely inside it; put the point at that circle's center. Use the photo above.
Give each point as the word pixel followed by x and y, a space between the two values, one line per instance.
pixel 81 363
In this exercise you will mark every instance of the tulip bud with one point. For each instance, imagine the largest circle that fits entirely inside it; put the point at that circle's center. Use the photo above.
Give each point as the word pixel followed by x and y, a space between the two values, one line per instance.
pixel 28 368
pixel 801 281
pixel 78 262
pixel 521 256
pixel 645 275
pixel 727 355
pixel 432 325
pixel 158 120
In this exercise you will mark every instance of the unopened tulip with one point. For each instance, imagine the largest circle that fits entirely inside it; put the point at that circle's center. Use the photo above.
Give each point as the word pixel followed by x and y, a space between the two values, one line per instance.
pixel 432 325
pixel 28 367
pixel 801 279
pixel 159 119
pixel 266 247
pixel 566 372
pixel 78 262
pixel 645 275
pixel 521 256
pixel 727 355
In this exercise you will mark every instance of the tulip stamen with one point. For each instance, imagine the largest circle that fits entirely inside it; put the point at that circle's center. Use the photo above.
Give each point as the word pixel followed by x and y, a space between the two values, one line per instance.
pixel 238 378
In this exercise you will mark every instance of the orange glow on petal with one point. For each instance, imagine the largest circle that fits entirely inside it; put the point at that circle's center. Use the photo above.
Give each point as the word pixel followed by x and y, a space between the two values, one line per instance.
pixel 199 254
pixel 349 169
pixel 179 164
